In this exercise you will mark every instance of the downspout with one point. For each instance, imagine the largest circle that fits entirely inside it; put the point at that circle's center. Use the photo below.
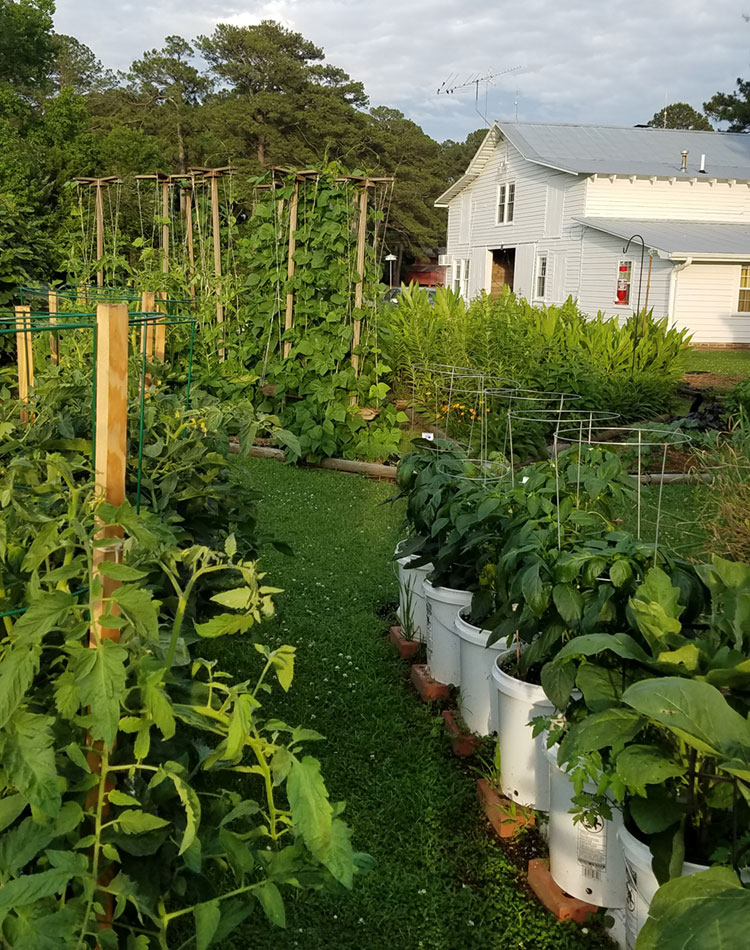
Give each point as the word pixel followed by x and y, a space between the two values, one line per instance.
pixel 673 287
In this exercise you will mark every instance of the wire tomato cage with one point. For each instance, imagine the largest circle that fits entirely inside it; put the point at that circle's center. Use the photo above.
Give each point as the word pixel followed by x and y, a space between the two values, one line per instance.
pixel 638 441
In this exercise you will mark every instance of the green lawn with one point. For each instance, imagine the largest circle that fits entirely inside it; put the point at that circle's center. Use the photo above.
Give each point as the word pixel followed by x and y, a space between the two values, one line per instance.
pixel 678 516
pixel 723 362
pixel 441 883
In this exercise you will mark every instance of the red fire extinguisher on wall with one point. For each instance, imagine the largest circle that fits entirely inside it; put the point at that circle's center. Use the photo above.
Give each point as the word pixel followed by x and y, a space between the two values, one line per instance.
pixel 622 284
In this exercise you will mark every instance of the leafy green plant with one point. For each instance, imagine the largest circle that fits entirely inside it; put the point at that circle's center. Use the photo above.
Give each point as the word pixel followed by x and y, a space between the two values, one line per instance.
pixel 142 787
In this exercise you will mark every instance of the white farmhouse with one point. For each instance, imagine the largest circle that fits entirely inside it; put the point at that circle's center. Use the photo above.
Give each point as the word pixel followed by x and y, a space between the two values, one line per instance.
pixel 549 210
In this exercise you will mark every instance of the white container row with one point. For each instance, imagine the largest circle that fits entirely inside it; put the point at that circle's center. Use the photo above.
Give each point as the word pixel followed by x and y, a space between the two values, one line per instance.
pixel 602 864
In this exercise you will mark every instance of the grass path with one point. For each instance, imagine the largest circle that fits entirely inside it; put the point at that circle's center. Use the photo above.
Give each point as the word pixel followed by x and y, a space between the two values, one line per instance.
pixel 440 882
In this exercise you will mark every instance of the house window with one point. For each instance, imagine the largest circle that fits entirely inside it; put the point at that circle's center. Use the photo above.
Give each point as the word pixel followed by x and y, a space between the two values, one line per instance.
pixel 743 305
pixel 506 200
pixel 460 282
pixel 624 274
pixel 541 276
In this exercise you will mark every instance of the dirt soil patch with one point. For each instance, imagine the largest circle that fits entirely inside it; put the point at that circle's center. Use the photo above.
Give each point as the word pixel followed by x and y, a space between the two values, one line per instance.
pixel 702 379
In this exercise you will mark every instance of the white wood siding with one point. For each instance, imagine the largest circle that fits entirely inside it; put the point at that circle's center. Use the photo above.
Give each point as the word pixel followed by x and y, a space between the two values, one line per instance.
pixel 706 300
pixel 601 255
pixel 532 230
pixel 660 198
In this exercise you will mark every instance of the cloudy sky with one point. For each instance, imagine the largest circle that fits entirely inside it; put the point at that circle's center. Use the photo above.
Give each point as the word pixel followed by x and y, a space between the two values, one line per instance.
pixel 581 61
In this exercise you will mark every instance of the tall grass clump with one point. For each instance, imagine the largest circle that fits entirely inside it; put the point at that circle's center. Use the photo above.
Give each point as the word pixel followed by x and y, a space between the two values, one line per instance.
pixel 630 368
pixel 726 517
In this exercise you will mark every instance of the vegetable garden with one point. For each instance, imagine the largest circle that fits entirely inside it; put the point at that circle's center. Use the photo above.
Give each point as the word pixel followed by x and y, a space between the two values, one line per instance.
pixel 157 790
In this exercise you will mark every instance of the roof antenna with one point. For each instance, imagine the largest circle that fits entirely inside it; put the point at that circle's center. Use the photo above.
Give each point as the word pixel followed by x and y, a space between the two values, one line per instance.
pixel 451 85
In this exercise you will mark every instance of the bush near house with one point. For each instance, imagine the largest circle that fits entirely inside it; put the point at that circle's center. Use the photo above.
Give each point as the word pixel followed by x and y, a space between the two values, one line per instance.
pixel 631 369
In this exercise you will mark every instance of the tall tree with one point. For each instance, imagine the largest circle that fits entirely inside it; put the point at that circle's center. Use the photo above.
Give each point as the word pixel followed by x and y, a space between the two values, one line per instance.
pixel 732 107
pixel 273 74
pixel 679 115
pixel 76 67
pixel 167 78
pixel 26 43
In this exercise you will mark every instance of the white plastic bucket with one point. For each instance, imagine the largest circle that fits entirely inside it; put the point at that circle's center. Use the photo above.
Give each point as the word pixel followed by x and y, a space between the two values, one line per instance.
pixel 443 644
pixel 641 883
pixel 523 766
pixel 476 663
pixel 411 579
pixel 585 861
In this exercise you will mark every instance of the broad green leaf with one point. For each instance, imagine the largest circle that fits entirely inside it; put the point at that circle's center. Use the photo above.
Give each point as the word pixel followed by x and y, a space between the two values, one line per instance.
pixel 239 598
pixel 116 797
pixel 120 572
pixel 283 663
pixel 535 592
pixel 137 822
pixel 558 680
pixel 41 618
pixel 695 711
pixel 641 765
pixel 688 656
pixel 655 812
pixel 620 572
pixel 31 888
pixel 22 843
pixel 272 903
pixel 338 857
pixel 591 644
pixel 240 721
pixel 225 625
pixel 140 608
pixel 599 730
pixel 10 808
pixel 701 911
pixel 190 802
pixel 308 798
pixel 601 687
pixel 100 677
pixel 230 546
pixel 17 671
pixel 159 708
pixel 207 916
pixel 569 602
pixel 654 623
pixel 29 761
pixel 238 853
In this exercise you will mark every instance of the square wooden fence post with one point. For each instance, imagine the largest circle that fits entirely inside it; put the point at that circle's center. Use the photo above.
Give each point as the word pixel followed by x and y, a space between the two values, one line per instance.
pixel 111 445
pixel 25 356
pixel 160 328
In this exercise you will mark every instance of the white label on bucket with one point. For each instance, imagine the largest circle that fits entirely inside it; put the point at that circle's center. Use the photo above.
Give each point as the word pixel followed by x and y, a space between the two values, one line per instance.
pixel 592 847
pixel 429 436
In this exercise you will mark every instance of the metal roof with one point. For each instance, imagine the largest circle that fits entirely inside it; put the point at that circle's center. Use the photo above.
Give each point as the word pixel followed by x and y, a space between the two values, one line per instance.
pixel 590 149
pixel 606 150
pixel 707 240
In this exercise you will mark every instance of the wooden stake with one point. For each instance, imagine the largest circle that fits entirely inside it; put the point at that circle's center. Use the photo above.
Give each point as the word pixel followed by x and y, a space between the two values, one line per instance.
pixel 289 313
pixel 160 328
pixel 25 357
pixel 189 234
pixel 148 306
pixel 359 287
pixel 54 340
pixel 216 227
pixel 111 445
pixel 99 232
pixel 165 227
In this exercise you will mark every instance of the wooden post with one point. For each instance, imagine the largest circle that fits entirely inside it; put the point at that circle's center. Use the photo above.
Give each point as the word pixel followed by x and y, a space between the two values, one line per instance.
pixel 359 287
pixel 99 232
pixel 54 340
pixel 148 306
pixel 25 356
pixel 189 235
pixel 289 313
pixel 160 328
pixel 216 228
pixel 165 227
pixel 111 444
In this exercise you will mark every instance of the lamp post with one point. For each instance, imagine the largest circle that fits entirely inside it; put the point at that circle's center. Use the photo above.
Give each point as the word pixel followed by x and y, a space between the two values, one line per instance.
pixel 391 258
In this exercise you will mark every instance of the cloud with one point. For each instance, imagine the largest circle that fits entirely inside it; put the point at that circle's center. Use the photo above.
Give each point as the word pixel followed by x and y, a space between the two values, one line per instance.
pixel 584 61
